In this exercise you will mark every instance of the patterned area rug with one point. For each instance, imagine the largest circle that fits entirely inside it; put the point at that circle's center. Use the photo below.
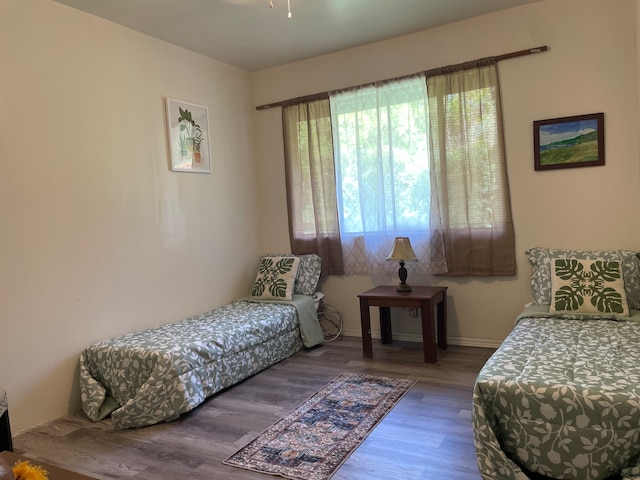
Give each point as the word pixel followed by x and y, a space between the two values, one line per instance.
pixel 311 442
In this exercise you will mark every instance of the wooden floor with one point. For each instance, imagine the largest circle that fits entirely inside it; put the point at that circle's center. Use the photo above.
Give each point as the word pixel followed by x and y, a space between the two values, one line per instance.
pixel 426 436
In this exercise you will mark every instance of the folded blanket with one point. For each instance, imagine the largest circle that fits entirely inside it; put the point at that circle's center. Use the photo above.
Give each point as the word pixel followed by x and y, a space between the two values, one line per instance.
pixel 310 329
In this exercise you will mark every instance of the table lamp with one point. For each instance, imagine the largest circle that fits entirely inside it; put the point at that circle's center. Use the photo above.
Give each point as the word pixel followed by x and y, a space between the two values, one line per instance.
pixel 402 252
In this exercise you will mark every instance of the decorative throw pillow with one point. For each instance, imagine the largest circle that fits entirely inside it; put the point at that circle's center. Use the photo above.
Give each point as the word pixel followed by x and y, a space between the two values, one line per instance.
pixel 308 274
pixel 587 286
pixel 540 259
pixel 276 278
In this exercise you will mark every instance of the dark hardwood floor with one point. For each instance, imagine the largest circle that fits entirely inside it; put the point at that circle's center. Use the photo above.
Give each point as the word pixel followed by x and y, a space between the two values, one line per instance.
pixel 427 435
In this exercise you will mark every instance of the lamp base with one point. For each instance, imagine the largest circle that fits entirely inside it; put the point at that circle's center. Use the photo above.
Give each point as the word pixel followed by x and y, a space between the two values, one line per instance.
pixel 402 274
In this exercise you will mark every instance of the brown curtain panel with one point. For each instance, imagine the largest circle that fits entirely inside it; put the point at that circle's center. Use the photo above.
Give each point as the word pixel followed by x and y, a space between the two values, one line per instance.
pixel 311 183
pixel 468 161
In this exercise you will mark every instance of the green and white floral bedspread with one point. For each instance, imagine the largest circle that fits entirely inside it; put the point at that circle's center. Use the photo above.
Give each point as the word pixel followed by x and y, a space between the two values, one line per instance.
pixel 157 374
pixel 561 398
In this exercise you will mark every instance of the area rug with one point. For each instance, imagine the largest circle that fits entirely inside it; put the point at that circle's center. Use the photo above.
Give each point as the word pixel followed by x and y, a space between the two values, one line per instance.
pixel 312 441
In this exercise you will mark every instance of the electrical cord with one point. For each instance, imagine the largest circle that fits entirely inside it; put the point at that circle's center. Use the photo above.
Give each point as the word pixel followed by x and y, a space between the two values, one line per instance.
pixel 330 322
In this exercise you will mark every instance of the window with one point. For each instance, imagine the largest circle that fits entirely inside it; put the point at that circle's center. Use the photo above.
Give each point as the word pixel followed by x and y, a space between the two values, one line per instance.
pixel 381 153
pixel 421 157
pixel 382 158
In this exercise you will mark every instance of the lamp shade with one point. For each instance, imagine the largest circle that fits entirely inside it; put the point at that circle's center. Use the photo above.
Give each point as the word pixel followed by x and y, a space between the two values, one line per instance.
pixel 402 250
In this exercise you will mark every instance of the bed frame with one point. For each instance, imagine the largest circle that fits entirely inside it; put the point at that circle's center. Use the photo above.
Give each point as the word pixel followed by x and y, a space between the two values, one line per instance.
pixel 560 398
pixel 157 374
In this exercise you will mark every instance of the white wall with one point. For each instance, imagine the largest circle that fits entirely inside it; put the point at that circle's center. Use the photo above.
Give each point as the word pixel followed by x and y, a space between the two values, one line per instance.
pixel 591 67
pixel 99 238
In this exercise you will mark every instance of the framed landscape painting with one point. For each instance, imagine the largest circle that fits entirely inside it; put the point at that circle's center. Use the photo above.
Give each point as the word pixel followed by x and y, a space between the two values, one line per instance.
pixel 569 142
pixel 188 133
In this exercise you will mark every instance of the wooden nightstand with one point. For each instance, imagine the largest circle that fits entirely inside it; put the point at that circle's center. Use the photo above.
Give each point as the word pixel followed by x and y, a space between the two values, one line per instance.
pixel 424 298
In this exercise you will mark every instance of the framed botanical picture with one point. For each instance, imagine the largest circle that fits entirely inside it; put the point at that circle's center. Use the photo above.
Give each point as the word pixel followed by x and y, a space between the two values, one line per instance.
pixel 569 142
pixel 188 134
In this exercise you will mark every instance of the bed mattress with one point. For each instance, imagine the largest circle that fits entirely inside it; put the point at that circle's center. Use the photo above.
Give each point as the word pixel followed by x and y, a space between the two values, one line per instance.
pixel 157 374
pixel 561 398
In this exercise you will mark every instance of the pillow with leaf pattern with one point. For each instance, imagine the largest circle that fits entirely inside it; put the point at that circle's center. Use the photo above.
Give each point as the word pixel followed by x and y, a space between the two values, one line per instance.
pixel 309 271
pixel 276 278
pixel 587 286
pixel 540 259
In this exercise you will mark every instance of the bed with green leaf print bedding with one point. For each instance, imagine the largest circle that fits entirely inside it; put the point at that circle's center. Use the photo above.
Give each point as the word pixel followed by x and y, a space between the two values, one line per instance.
pixel 157 374
pixel 560 397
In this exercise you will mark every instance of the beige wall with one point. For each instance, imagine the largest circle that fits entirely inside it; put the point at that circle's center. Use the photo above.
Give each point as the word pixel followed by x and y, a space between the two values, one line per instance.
pixel 99 238
pixel 591 67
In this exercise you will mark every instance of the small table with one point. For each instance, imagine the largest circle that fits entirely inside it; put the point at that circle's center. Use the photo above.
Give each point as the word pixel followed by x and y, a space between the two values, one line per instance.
pixel 424 298
pixel 55 473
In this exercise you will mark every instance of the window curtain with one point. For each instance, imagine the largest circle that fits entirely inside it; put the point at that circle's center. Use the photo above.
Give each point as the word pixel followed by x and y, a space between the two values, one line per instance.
pixel 469 169
pixel 384 187
pixel 311 183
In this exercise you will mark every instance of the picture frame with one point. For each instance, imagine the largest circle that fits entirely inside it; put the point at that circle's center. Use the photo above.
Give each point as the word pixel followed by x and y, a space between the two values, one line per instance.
pixel 569 142
pixel 188 136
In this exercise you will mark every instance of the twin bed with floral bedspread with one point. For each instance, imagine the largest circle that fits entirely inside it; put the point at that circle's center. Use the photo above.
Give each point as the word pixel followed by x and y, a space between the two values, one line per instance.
pixel 560 398
pixel 157 374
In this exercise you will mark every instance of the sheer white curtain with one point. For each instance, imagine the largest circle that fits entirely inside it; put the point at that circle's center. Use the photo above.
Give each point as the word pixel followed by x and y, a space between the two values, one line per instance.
pixel 384 186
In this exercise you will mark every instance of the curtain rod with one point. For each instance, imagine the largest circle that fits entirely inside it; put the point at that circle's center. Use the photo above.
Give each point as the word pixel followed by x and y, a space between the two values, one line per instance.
pixel 318 96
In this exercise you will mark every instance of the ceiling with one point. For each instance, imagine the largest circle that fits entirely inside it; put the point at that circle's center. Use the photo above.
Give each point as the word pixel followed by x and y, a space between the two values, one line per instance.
pixel 252 36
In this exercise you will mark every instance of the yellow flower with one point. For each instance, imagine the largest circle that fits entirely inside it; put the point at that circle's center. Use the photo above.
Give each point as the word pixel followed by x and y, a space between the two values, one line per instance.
pixel 25 471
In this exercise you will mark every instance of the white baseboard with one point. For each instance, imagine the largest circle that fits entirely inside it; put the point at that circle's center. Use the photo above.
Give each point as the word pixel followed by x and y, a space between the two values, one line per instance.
pixel 413 337
pixel 474 342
